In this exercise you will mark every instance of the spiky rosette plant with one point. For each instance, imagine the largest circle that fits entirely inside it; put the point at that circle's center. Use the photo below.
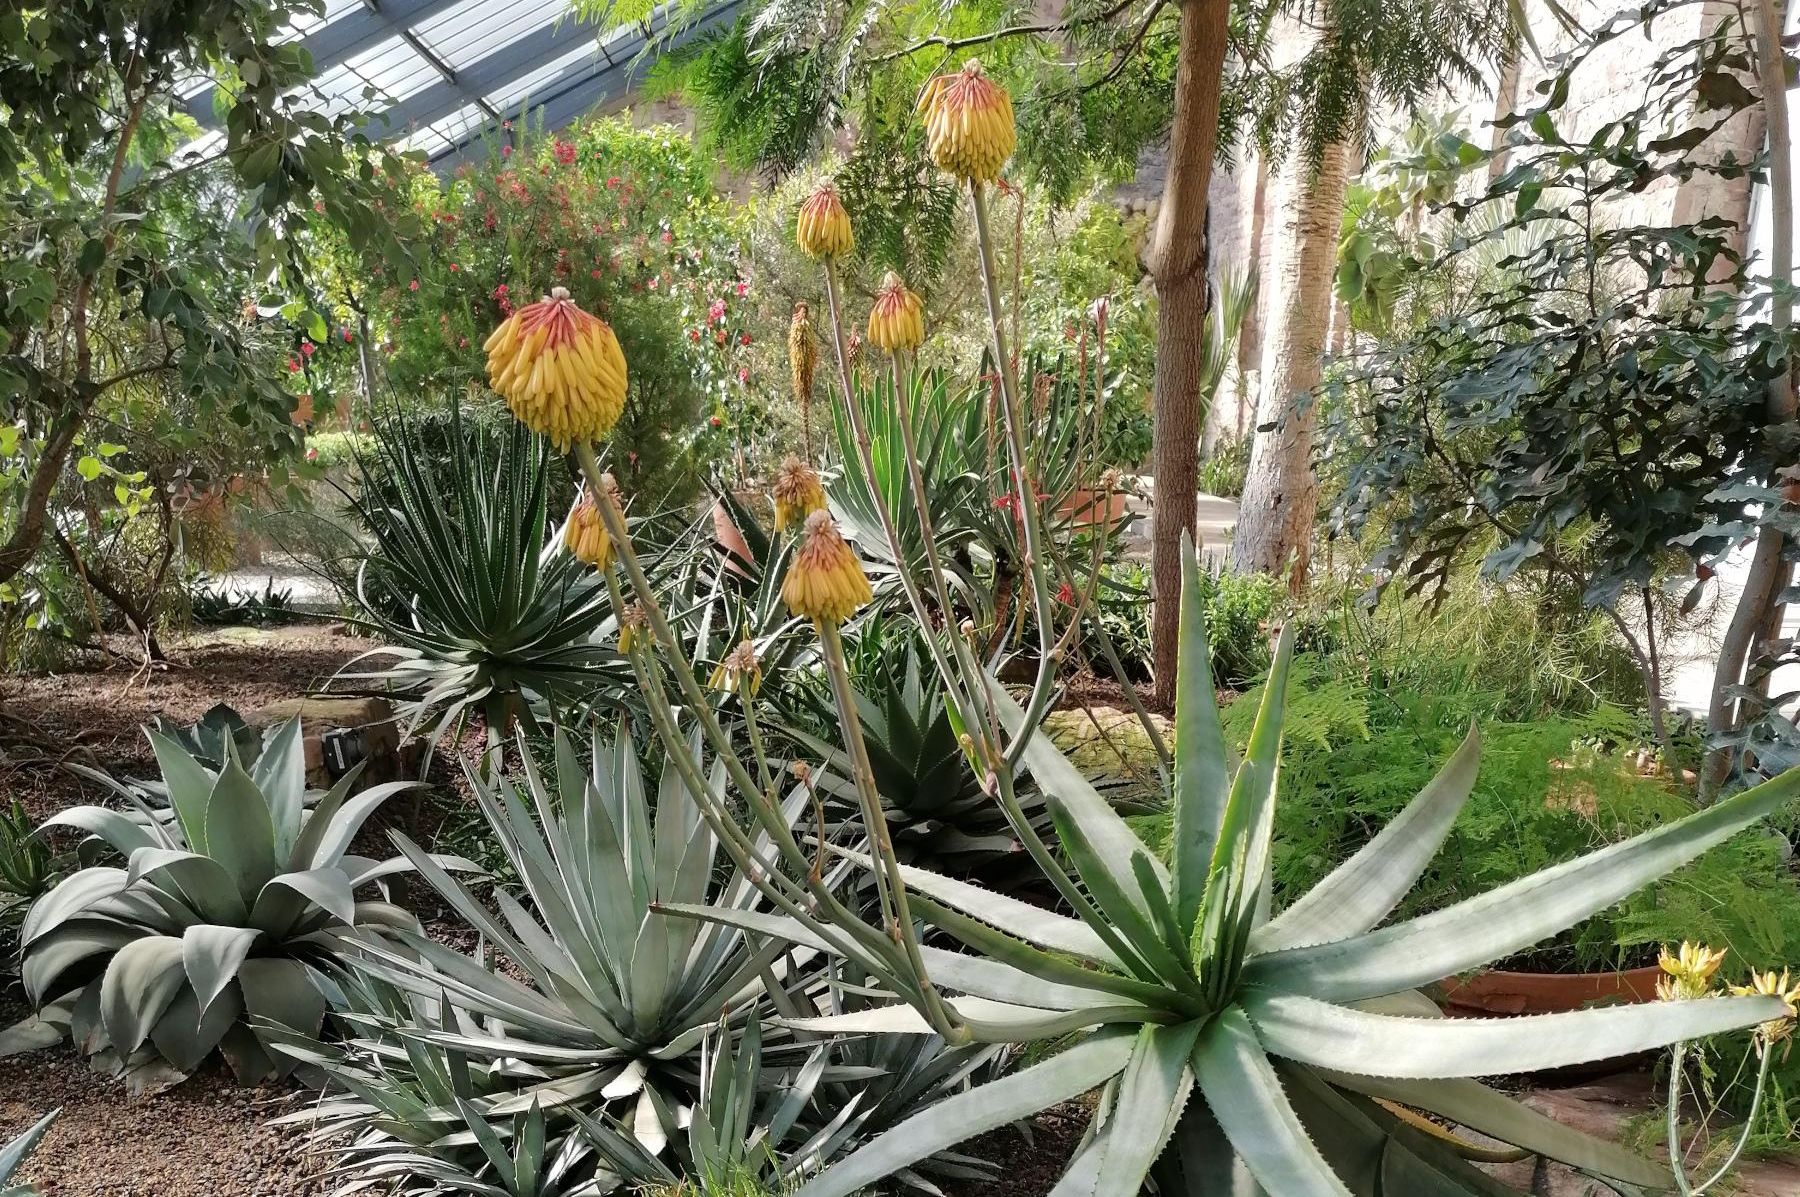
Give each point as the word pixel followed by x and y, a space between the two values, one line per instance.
pixel 482 610
pixel 603 1005
pixel 223 915
pixel 1229 1040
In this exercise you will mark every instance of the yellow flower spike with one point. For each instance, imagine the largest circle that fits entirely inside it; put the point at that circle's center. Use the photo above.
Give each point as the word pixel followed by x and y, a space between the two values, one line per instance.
pixel 1771 984
pixel 897 318
pixel 634 627
pixel 825 582
pixel 823 229
pixel 560 370
pixel 1690 972
pixel 968 124
pixel 803 353
pixel 797 492
pixel 585 534
pixel 739 672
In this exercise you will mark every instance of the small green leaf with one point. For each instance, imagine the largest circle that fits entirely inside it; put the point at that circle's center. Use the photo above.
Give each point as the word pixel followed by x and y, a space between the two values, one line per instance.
pixel 89 468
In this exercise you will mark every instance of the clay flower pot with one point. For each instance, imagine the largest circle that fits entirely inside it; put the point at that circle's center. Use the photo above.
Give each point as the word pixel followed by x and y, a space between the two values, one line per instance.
pixel 1091 508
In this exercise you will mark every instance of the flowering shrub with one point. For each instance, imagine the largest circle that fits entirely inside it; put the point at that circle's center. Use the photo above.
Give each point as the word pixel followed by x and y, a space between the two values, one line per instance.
pixel 627 221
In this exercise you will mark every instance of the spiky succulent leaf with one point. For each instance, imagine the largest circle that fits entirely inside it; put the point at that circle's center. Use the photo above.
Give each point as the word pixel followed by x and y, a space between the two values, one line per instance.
pixel 1286 1039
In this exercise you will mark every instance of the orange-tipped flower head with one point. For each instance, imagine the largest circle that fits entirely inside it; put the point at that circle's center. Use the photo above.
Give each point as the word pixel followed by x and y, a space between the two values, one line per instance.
pixel 825 582
pixel 585 534
pixel 634 627
pixel 968 124
pixel 897 319
pixel 823 229
pixel 739 672
pixel 559 369
pixel 798 493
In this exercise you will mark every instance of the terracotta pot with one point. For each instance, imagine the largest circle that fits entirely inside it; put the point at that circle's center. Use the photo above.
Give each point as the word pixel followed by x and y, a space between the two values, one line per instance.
pixel 1497 993
pixel 1094 507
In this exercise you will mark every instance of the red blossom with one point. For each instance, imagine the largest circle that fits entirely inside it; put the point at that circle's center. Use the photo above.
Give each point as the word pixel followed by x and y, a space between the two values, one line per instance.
pixel 347 336
pixel 565 152
pixel 454 268
pixel 293 366
pixel 716 312
pixel 413 286
pixel 612 184
pixel 743 374
pixel 506 151
pixel 307 348
pixel 743 289
pixel 1066 595
pixel 744 340
pixel 694 335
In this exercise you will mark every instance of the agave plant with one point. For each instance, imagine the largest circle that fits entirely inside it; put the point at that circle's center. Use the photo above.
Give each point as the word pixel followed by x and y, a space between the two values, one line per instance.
pixel 1235 1046
pixel 27 866
pixel 611 1004
pixel 221 915
pixel 15 1152
pixel 940 817
pixel 483 610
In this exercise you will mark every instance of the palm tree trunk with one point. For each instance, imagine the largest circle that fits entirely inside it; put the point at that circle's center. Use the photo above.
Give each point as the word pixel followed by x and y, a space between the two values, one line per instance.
pixel 1275 515
pixel 1177 262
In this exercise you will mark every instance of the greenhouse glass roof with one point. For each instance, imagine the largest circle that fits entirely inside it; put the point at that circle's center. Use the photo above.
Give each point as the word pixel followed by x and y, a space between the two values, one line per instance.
pixel 446 72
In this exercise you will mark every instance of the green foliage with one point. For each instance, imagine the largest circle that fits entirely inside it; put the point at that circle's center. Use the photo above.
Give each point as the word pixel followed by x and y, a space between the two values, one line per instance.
pixel 150 291
pixel 1572 406
pixel 27 867
pixel 624 218
pixel 482 607
pixel 1223 470
pixel 218 925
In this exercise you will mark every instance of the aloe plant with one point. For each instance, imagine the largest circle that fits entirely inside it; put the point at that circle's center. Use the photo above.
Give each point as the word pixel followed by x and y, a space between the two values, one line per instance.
pixel 1231 1042
pixel 220 915
pixel 14 1153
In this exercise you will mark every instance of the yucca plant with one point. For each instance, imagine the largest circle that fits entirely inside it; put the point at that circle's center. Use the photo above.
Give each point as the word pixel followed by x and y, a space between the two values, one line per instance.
pixel 15 1152
pixel 1237 1047
pixel 221 915
pixel 603 1005
pixel 483 608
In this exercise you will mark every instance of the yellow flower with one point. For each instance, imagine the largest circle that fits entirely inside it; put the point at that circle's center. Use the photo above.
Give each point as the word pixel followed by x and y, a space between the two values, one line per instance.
pixel 798 493
pixel 585 534
pixel 897 318
pixel 825 581
pixel 823 229
pixel 1781 986
pixel 560 370
pixel 803 353
pixel 968 124
pixel 1690 972
pixel 634 627
pixel 739 672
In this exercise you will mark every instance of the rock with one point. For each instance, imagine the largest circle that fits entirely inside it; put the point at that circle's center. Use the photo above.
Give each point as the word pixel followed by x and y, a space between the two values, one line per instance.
pixel 359 728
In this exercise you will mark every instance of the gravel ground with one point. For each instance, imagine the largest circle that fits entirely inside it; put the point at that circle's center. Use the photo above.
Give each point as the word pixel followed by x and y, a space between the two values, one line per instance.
pixel 102 710
pixel 203 1138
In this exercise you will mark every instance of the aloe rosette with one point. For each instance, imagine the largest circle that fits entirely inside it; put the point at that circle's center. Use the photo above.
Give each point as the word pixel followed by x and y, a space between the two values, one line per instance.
pixel 1232 1044
pixel 221 915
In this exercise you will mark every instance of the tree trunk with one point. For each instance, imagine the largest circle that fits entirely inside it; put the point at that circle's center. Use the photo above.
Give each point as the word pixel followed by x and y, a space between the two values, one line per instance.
pixel 1275 515
pixel 1757 606
pixel 1177 263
